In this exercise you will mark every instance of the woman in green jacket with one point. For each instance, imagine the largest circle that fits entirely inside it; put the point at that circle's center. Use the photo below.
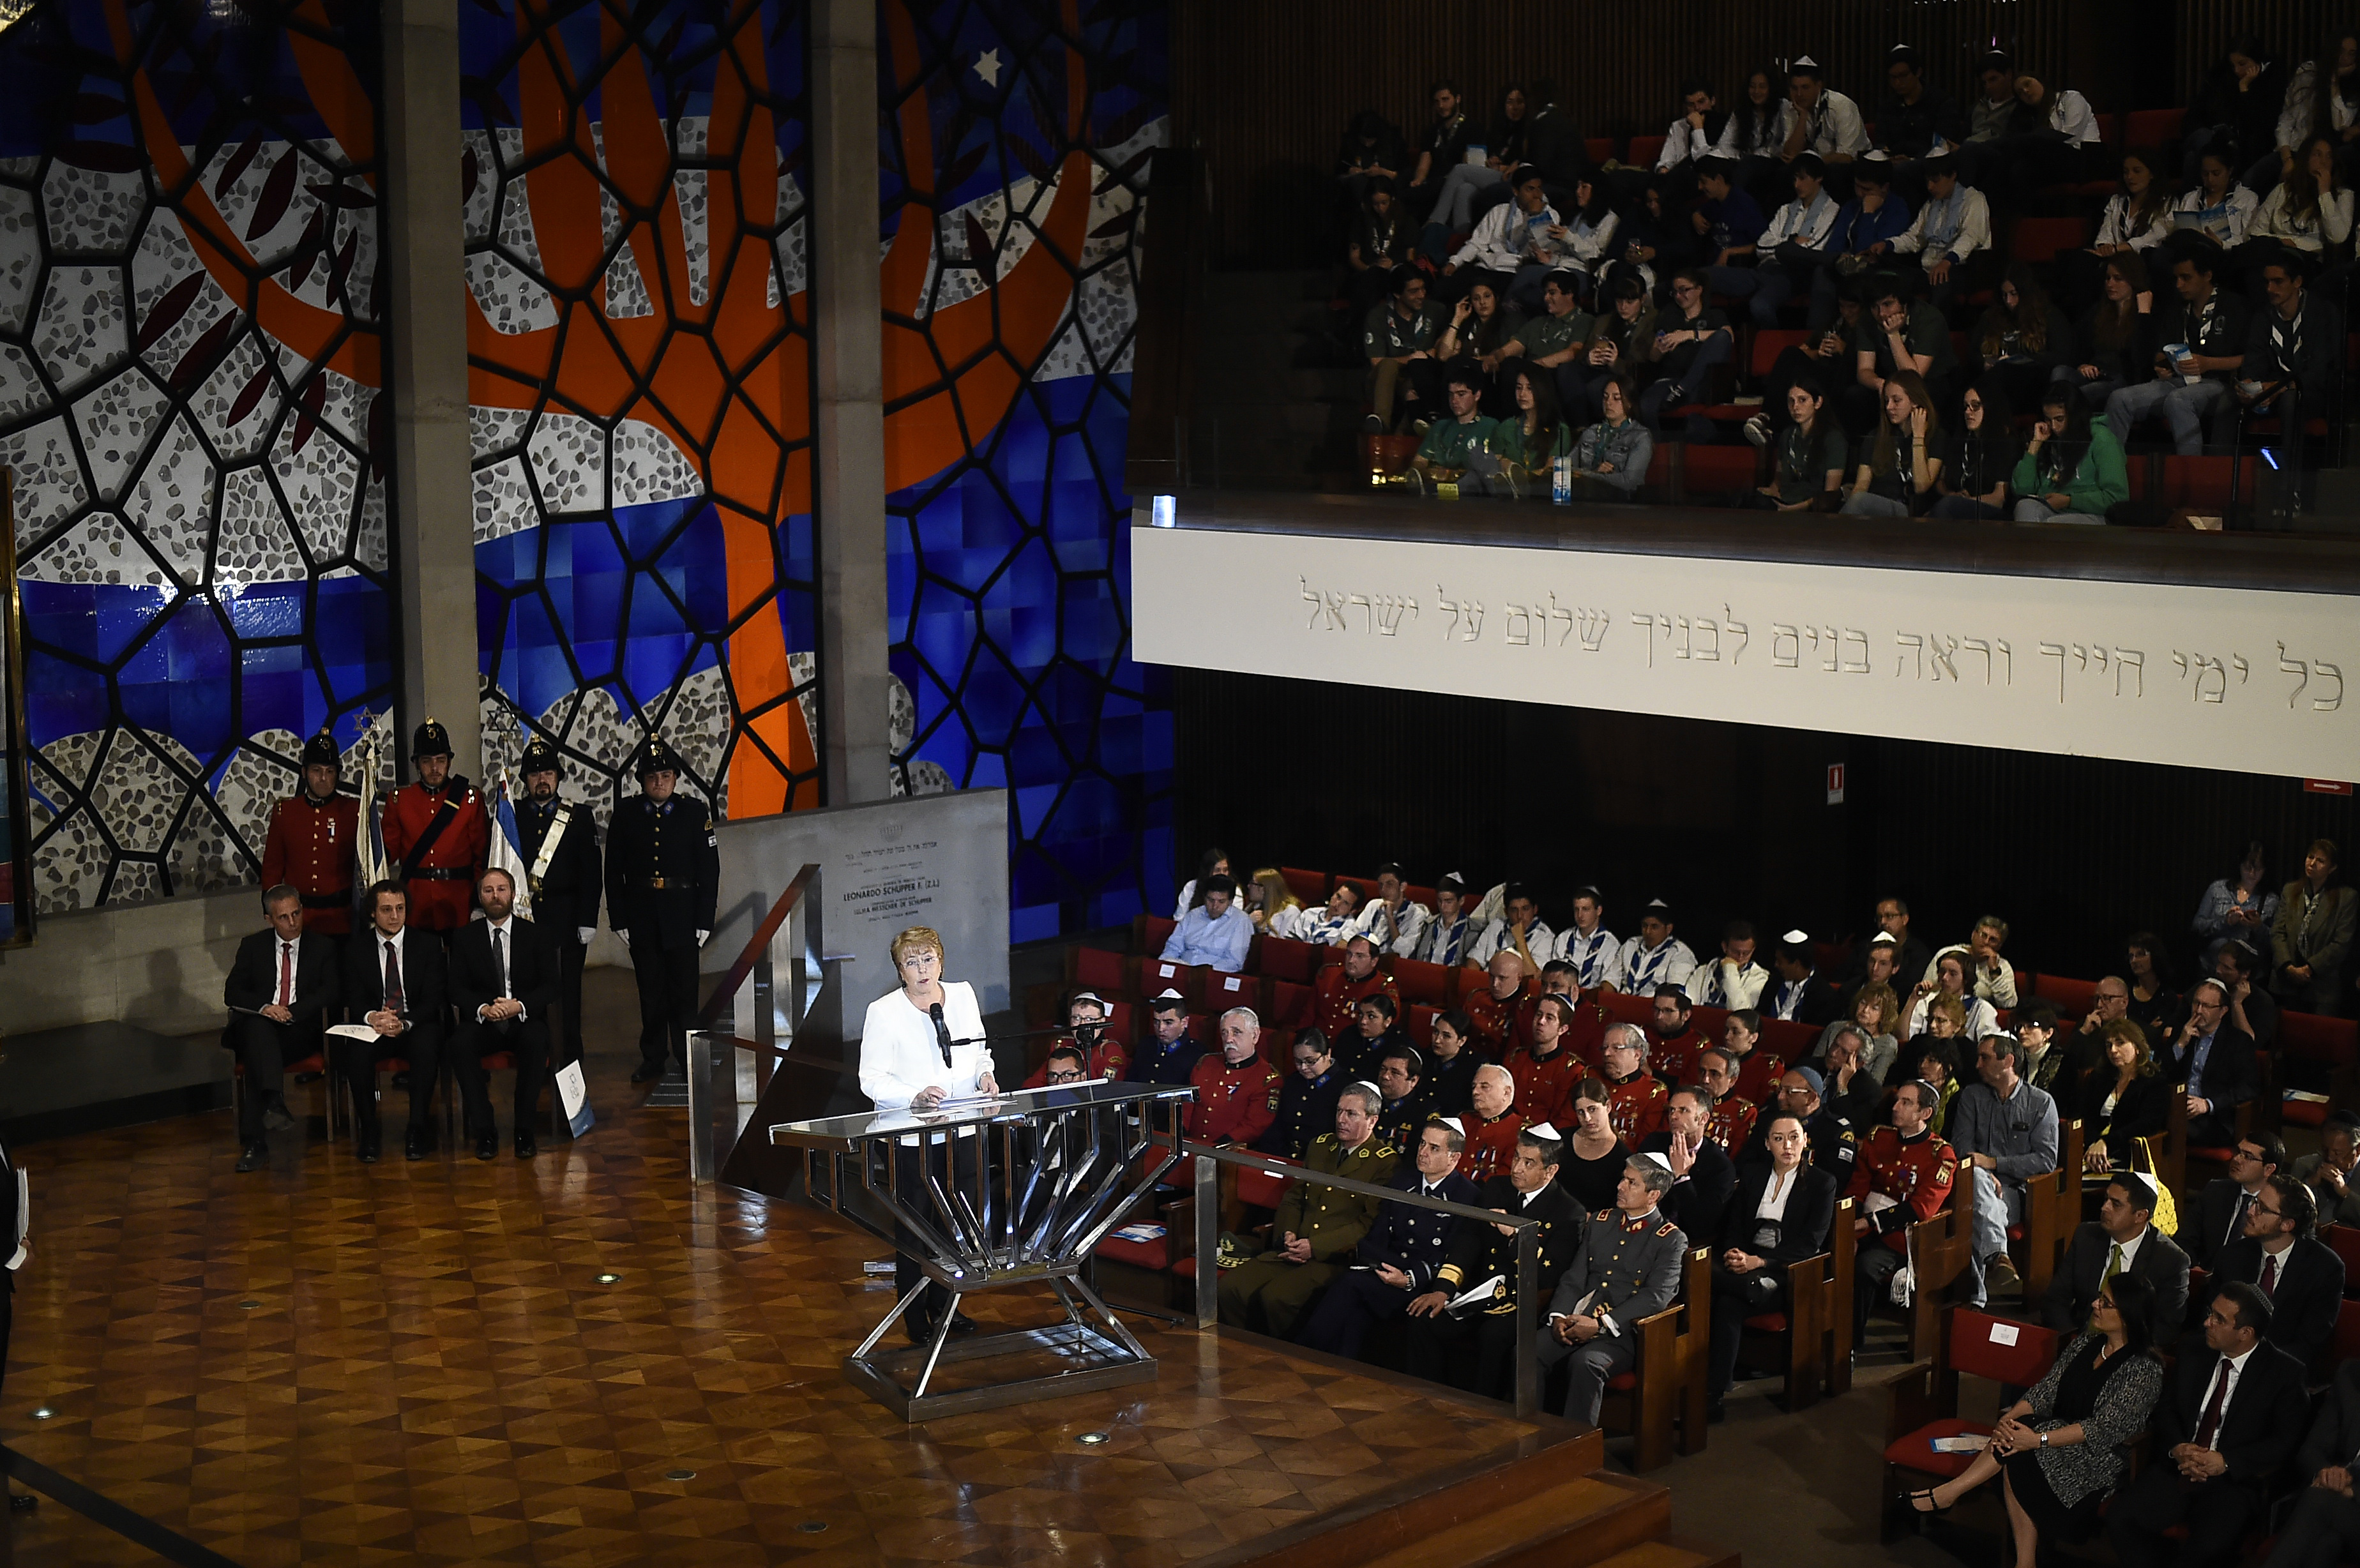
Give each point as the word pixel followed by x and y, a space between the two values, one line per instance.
pixel 1537 434
pixel 2071 471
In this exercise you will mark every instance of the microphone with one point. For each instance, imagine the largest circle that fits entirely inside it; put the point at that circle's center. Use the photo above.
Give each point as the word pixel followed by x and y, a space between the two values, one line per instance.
pixel 942 1031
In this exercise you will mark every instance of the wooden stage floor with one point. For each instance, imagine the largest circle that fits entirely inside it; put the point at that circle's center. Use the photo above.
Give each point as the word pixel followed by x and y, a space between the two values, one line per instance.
pixel 326 1362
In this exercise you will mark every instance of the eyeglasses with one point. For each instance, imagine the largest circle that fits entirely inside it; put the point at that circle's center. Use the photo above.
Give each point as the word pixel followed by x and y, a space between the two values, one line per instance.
pixel 1064 1077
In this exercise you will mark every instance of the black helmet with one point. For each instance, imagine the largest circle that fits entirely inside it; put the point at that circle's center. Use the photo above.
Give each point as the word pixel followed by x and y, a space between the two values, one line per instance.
pixel 431 740
pixel 320 751
pixel 658 757
pixel 540 758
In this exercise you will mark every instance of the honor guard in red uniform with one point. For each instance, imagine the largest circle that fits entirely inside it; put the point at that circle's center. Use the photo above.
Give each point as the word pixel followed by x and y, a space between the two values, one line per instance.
pixel 1546 1073
pixel 310 847
pixel 1634 1101
pixel 1237 1092
pixel 1492 1127
pixel 1730 1121
pixel 1342 987
pixel 664 882
pixel 1496 1009
pixel 437 834
pixel 1907 1164
pixel 1672 1056
pixel 1087 1031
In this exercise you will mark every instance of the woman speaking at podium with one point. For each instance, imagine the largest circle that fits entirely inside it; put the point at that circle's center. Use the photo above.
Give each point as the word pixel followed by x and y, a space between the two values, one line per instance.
pixel 920 1045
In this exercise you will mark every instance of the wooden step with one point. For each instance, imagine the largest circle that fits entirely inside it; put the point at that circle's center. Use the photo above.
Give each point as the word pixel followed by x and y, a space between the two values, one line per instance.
pixel 1672 1552
pixel 1575 1522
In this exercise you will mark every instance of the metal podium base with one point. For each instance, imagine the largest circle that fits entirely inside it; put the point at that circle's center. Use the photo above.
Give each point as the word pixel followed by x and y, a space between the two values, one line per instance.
pixel 1113 1357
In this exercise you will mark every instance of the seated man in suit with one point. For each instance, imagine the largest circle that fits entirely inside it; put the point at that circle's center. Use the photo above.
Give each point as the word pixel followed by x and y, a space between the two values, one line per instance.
pixel 2281 1255
pixel 2222 1433
pixel 1402 1252
pixel 280 990
pixel 2217 1217
pixel 2325 1528
pixel 397 987
pixel 1625 1268
pixel 1703 1176
pixel 1440 1340
pixel 2330 1173
pixel 2119 1241
pixel 503 981
pixel 1781 1215
pixel 2215 1062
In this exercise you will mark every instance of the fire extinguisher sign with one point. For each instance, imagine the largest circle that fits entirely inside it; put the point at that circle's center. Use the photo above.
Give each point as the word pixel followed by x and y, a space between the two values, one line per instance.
pixel 1835 783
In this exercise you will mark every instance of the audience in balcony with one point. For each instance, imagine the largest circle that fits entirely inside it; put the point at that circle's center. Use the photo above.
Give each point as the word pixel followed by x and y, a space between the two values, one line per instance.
pixel 1862 237
pixel 2136 219
pixel 2126 1099
pixel 1588 240
pixel 1214 933
pixel 2328 1171
pixel 2311 941
pixel 1897 335
pixel 1398 338
pixel 2293 352
pixel 1916 120
pixel 2238 906
pixel 1756 137
pixel 1897 473
pixel 1512 246
pixel 1826 122
pixel 1480 329
pixel 1443 149
pixel 2202 346
pixel 1949 244
pixel 1392 920
pixel 1690 341
pixel 1380 249
pixel 1977 460
pixel 1621 338
pixel 2116 343
pixel 1615 453
pixel 1655 957
pixel 1443 452
pixel 1449 938
pixel 1589 946
pixel 1524 445
pixel 1554 143
pixel 2023 340
pixel 2309 210
pixel 2061 1448
pixel 1807 475
pixel 2235 115
pixel 1470 188
pixel 1697 134
pixel 1552 342
pixel 2072 469
pixel 1371 151
pixel 2217 205
pixel 1789 251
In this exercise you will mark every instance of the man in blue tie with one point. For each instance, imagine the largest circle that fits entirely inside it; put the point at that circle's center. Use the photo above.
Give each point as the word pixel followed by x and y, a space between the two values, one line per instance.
pixel 2215 1063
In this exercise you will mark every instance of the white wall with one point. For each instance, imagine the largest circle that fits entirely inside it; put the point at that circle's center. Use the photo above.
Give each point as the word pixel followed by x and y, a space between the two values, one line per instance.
pixel 2239 679
pixel 158 965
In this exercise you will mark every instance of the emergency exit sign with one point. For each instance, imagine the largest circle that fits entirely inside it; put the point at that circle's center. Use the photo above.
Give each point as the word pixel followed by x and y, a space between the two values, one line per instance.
pixel 1835 783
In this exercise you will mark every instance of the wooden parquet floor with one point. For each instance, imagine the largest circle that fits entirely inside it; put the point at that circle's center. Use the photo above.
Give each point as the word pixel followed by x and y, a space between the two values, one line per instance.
pixel 326 1362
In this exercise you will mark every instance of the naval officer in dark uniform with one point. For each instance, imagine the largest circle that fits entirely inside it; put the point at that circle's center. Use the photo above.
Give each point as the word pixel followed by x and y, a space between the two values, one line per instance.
pixel 1628 1268
pixel 561 858
pixel 1402 1252
pixel 1475 1347
pixel 663 875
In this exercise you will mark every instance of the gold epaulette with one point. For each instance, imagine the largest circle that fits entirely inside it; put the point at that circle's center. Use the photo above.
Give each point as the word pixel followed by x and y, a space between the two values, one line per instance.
pixel 1667 1228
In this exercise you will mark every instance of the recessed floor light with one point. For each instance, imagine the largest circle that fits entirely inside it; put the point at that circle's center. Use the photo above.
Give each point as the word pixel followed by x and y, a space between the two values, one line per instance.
pixel 811 1527
pixel 610 1279
pixel 248 1306
pixel 44 1413
pixel 1091 1439
pixel 680 1474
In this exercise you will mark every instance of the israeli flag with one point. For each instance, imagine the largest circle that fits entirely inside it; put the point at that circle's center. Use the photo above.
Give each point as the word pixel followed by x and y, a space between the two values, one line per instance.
pixel 505 854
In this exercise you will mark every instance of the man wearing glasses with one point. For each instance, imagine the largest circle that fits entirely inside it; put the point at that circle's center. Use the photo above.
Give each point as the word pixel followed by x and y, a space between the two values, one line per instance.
pixel 2112 1001
pixel 2218 1215
pixel 2281 1255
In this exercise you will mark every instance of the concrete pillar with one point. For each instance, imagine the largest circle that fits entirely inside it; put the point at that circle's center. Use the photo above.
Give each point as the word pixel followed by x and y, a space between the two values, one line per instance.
pixel 426 343
pixel 850 418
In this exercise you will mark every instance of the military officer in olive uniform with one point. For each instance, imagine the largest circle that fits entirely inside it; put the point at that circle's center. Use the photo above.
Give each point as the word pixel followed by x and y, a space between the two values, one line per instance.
pixel 1402 1251
pixel 1318 1228
pixel 663 875
pixel 1438 1339
pixel 1627 1268
pixel 560 845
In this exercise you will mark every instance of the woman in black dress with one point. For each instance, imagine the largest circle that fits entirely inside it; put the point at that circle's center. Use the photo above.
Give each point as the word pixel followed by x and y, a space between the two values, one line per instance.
pixel 2126 1099
pixel 2154 1004
pixel 2062 1447
pixel 1594 1157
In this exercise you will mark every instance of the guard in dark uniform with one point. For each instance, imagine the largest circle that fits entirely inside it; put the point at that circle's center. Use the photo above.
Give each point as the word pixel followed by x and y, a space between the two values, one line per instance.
pixel 1318 1228
pixel 310 847
pixel 560 845
pixel 436 832
pixel 663 876
pixel 1306 1104
pixel 1399 1072
pixel 1439 1339
pixel 1627 1269
pixel 1402 1252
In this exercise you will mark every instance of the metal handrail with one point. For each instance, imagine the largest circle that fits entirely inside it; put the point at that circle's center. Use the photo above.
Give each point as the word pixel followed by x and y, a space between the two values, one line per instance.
pixel 758 945
pixel 1528 1269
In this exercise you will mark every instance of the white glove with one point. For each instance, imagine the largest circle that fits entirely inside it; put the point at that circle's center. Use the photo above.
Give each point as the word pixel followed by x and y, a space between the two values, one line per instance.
pixel 624 934
pixel 583 934
pixel 701 936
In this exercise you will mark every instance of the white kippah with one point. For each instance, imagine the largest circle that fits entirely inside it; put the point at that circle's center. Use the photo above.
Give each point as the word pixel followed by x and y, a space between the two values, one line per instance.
pixel 1542 1129
pixel 1657 1160
pixel 1454 1124
pixel 1798 937
pixel 1088 996
pixel 1166 995
pixel 1806 59
pixel 1657 904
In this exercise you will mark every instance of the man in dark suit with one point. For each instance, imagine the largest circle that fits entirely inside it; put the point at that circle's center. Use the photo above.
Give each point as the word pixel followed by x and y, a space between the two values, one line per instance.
pixel 2216 1064
pixel 1798 994
pixel 1702 1174
pixel 2281 1255
pixel 1403 1253
pixel 397 987
pixel 2325 1528
pixel 1474 1349
pixel 2222 1433
pixel 280 990
pixel 663 876
pixel 503 978
pixel 2120 1241
pixel 2218 1215
pixel 559 842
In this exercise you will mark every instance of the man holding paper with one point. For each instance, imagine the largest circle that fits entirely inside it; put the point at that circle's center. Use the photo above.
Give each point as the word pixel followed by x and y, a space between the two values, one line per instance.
pixel 1473 1301
pixel 396 990
pixel 1402 1251
pixel 1628 1268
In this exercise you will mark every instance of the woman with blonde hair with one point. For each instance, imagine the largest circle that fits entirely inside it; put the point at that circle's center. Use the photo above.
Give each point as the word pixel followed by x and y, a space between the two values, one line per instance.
pixel 1274 908
pixel 922 1044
